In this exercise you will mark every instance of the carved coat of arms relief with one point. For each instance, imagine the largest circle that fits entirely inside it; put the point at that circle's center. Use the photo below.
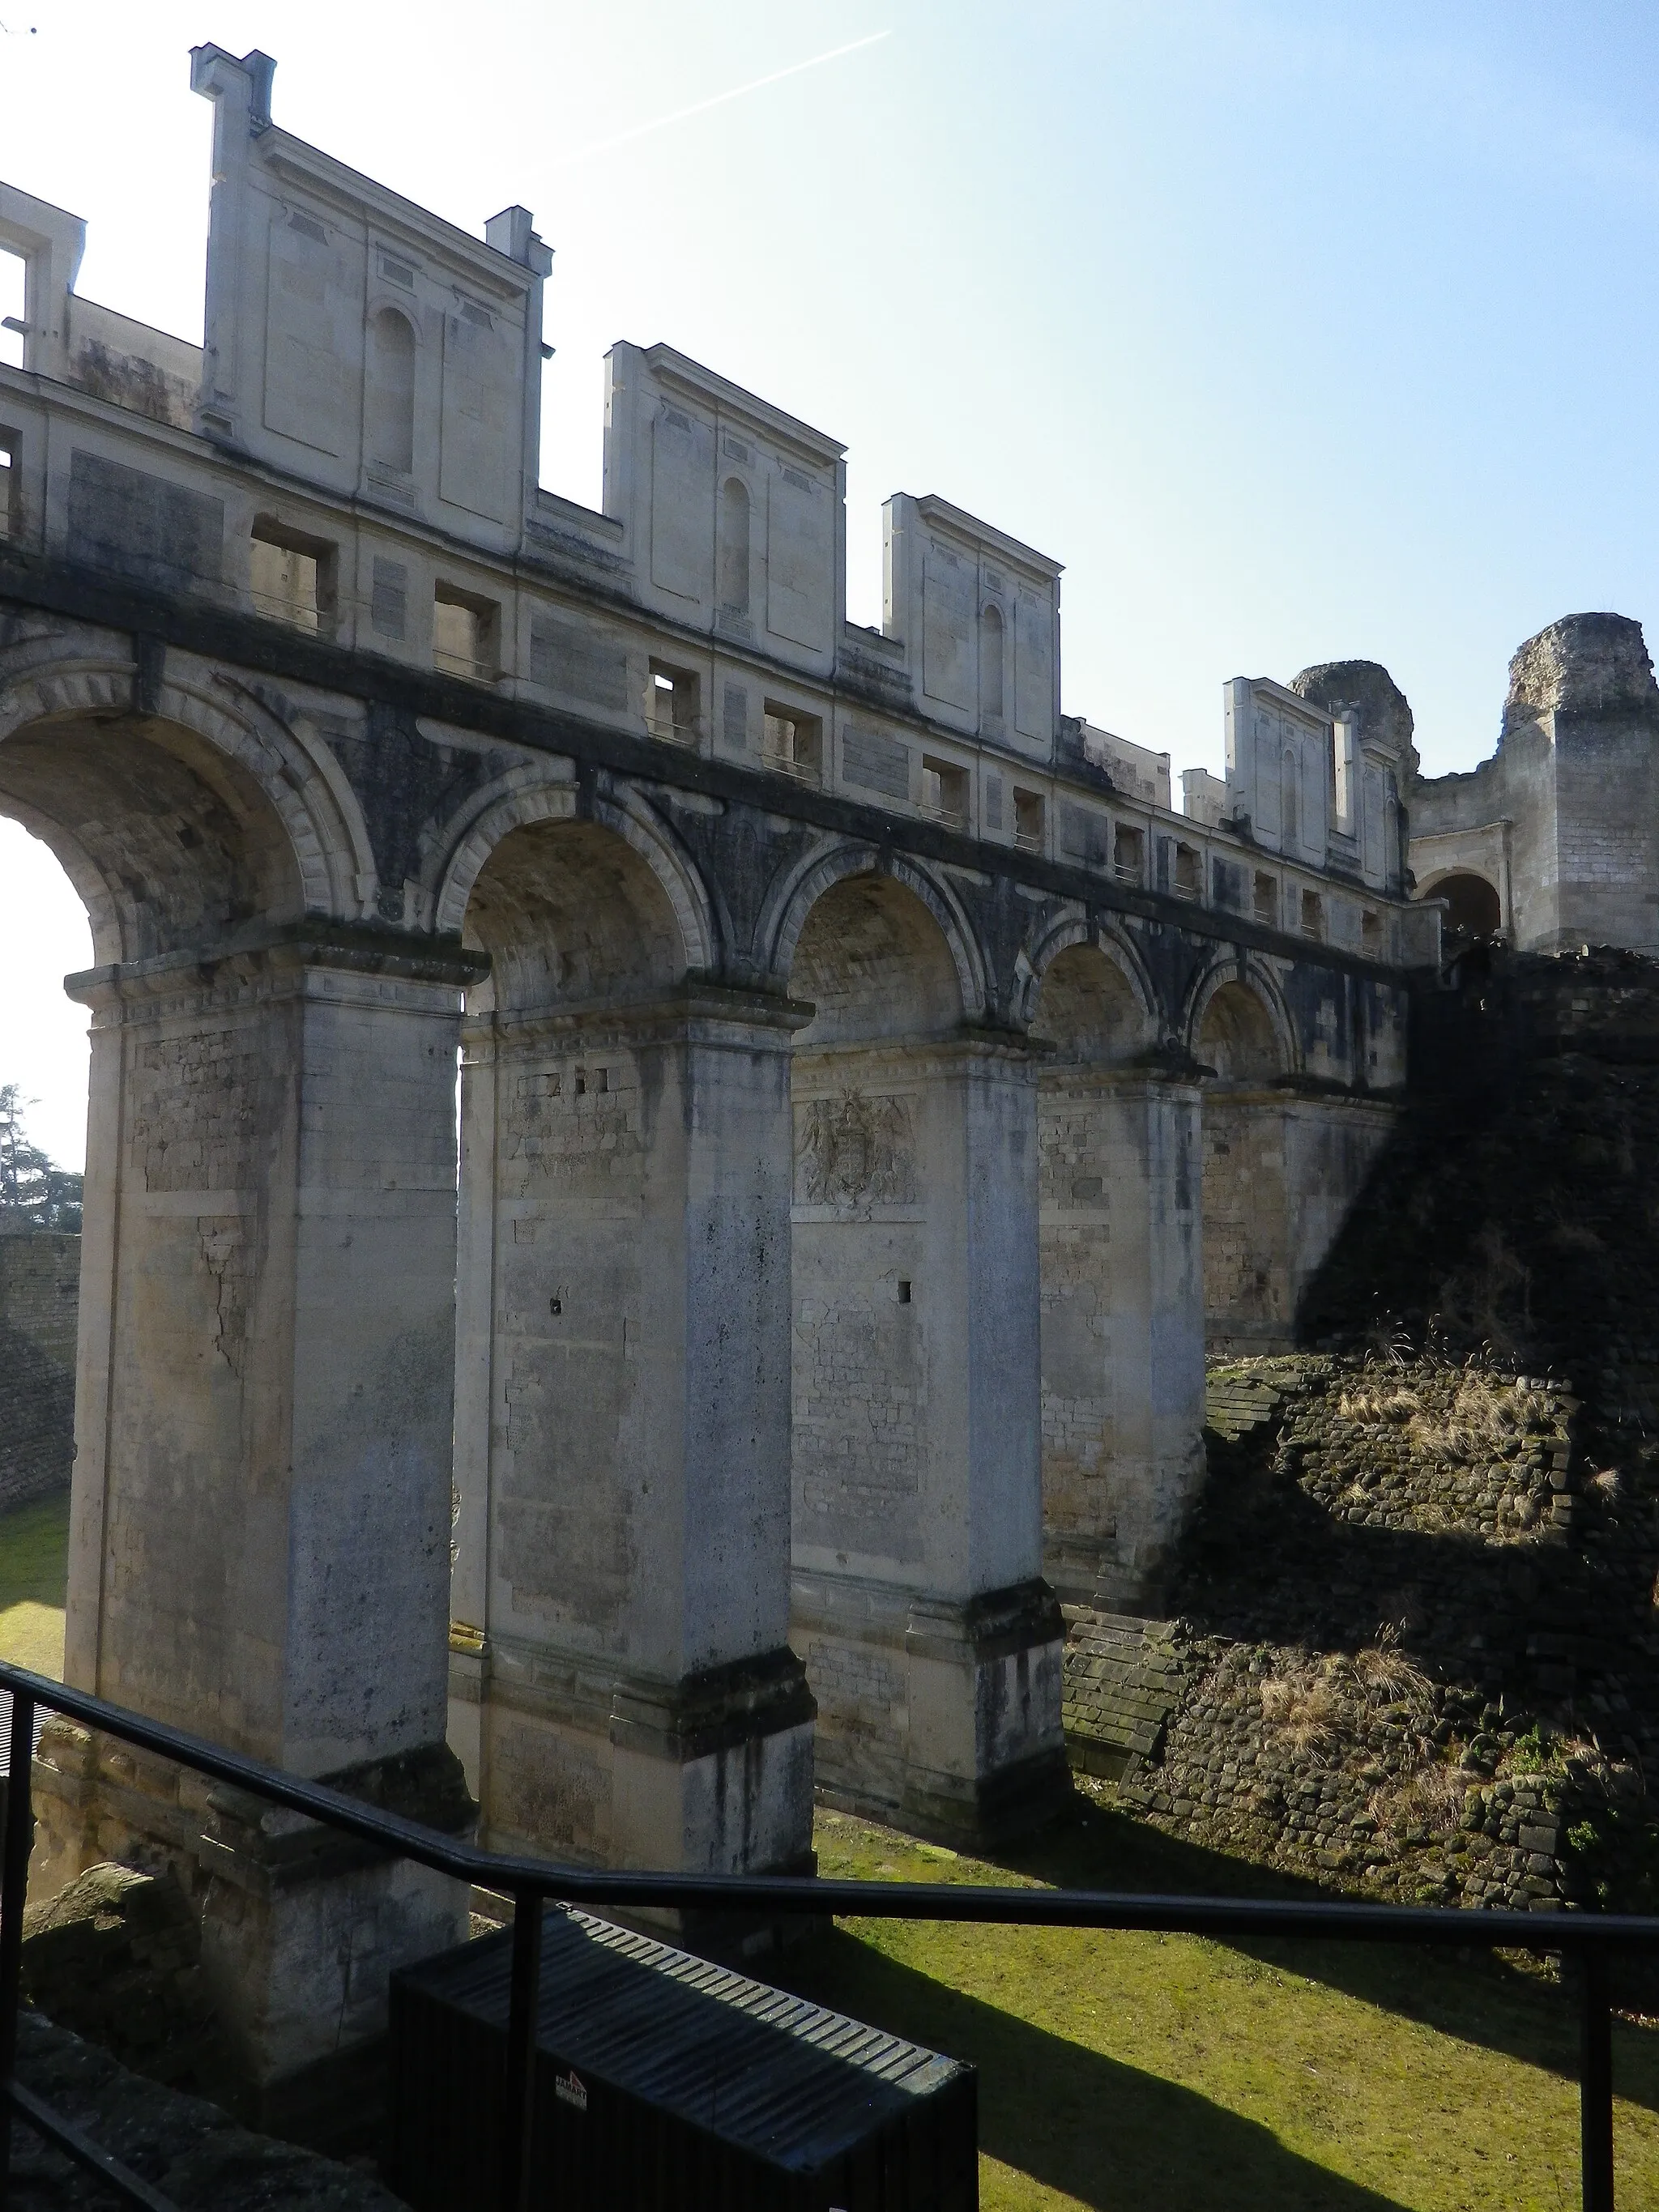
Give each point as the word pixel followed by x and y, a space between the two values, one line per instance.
pixel 855 1151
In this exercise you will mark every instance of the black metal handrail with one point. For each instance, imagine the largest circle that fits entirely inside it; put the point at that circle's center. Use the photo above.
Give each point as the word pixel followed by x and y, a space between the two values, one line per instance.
pixel 1587 1937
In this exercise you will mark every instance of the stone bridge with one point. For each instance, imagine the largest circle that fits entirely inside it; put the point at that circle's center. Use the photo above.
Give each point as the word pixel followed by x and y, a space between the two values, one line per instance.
pixel 870 1088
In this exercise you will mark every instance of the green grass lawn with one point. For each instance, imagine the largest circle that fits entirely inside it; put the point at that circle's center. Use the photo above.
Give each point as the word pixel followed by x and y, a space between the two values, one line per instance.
pixel 33 1566
pixel 1131 2070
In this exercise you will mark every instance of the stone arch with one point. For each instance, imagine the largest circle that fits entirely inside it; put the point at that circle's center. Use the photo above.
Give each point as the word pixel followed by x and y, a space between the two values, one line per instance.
pixel 794 899
pixel 184 820
pixel 526 797
pixel 1236 1011
pixel 1114 946
pixel 1475 905
pixel 571 915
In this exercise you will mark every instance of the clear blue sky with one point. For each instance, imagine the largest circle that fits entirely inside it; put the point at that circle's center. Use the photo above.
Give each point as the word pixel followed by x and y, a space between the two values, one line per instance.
pixel 1296 328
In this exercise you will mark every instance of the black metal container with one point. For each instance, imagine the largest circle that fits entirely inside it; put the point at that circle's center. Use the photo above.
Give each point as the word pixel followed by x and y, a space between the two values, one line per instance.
pixel 666 2084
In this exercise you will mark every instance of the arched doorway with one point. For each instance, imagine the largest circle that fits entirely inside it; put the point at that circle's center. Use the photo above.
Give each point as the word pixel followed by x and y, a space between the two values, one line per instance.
pixel 1473 907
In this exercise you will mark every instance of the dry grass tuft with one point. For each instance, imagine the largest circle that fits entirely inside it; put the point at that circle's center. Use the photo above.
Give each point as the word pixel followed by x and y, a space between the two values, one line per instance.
pixel 1396 1407
pixel 1431 1798
pixel 1483 1418
pixel 1607 1483
pixel 1304 1704
pixel 1388 1676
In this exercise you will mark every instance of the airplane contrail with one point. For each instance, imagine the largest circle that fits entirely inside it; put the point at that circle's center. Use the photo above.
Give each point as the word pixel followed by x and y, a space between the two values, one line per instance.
pixel 701 106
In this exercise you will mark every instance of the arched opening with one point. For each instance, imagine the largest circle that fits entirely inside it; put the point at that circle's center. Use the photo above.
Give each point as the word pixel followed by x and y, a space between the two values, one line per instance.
pixel 734 548
pixel 916 1418
pixel 1473 907
pixel 1122 1356
pixel 621 1409
pixel 991 662
pixel 389 402
pixel 1248 1301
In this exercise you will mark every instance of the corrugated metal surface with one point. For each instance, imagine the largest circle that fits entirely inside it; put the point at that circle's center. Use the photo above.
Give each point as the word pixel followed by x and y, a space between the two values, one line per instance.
pixel 666 2084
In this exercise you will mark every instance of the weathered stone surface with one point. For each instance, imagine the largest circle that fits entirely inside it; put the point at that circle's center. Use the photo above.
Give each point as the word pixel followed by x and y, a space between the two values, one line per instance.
pixel 1583 663
pixel 1385 715
pixel 117 1957
pixel 188 2148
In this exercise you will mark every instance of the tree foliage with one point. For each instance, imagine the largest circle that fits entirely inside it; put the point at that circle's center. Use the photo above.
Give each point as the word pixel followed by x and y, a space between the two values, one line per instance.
pixel 34 1193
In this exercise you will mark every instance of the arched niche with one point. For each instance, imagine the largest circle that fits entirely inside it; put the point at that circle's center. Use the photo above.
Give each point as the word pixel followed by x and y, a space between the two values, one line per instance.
pixel 992 638
pixel 1238 1037
pixel 389 400
pixel 734 535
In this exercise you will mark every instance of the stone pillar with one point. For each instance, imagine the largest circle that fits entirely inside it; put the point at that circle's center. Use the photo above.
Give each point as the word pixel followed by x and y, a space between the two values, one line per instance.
pixel 622 1590
pixel 1331 1144
pixel 259 1547
pixel 1249 1291
pixel 1123 1328
pixel 1282 1170
pixel 931 1640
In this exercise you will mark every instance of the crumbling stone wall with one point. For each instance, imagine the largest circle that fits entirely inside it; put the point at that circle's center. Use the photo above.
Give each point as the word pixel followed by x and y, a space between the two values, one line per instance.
pixel 1414 1636
pixel 39 1295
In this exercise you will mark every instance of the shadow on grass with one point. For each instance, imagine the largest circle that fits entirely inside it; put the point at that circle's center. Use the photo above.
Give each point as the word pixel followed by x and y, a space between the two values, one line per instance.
pixel 1472 1995
pixel 1096 2129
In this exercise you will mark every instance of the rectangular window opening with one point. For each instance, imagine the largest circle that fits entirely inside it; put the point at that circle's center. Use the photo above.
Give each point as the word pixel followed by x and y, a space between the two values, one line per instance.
pixel 671 704
pixel 945 793
pixel 465 635
pixel 291 576
pixel 1265 902
pixel 1029 820
pixel 793 743
pixel 1313 914
pixel 1370 934
pixel 14 286
pixel 1128 854
pixel 903 1290
pixel 1188 871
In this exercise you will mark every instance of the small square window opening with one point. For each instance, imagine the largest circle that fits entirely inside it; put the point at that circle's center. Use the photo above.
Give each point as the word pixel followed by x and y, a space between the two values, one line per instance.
pixel 1028 813
pixel 671 704
pixel 793 743
pixel 945 793
pixel 465 635
pixel 291 577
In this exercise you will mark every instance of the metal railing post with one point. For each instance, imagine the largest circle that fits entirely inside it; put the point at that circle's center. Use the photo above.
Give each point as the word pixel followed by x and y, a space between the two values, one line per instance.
pixel 14 1849
pixel 524 2006
pixel 1595 2080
